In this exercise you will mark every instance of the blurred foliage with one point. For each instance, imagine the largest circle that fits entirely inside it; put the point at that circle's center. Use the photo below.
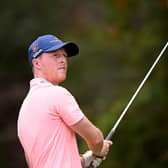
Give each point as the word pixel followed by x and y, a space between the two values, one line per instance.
pixel 119 41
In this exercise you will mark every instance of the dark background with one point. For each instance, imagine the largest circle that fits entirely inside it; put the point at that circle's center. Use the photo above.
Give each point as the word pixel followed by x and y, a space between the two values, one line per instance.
pixel 119 41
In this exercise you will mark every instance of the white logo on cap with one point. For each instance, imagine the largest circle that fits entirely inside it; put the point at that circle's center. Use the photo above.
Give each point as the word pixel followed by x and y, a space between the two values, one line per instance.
pixel 37 53
pixel 54 39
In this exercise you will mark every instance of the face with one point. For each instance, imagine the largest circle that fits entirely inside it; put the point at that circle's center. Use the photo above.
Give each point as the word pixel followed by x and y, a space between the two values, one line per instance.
pixel 51 66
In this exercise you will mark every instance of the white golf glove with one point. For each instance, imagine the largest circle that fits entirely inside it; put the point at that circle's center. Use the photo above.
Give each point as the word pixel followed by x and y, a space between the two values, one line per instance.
pixel 96 162
pixel 90 158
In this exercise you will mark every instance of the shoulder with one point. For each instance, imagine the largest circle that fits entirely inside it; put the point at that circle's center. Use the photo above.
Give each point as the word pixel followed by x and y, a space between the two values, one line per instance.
pixel 58 91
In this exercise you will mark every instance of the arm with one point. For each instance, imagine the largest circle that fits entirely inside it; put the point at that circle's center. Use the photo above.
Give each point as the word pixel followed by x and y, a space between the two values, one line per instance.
pixel 91 134
pixel 93 137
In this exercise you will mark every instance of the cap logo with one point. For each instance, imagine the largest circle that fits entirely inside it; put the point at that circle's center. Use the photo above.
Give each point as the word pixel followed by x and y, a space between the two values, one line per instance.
pixel 56 38
pixel 34 48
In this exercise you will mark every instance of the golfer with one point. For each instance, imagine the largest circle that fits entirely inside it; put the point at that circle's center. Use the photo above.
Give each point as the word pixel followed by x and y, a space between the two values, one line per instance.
pixel 50 117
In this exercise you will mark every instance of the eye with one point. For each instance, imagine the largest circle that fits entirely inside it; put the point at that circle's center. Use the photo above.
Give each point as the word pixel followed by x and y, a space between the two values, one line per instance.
pixel 65 55
pixel 60 55
pixel 55 55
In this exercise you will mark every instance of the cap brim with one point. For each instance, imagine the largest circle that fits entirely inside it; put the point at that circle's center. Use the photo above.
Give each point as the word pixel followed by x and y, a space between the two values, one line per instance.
pixel 71 48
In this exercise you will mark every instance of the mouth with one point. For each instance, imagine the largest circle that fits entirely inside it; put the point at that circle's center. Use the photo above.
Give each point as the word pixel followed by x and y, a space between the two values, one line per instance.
pixel 62 68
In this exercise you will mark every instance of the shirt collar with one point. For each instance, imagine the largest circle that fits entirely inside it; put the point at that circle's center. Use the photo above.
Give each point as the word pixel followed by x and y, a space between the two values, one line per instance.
pixel 39 82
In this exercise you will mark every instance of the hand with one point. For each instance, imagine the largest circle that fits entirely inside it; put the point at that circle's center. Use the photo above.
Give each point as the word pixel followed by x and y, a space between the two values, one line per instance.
pixel 94 161
pixel 105 148
pixel 97 161
pixel 88 157
pixel 91 159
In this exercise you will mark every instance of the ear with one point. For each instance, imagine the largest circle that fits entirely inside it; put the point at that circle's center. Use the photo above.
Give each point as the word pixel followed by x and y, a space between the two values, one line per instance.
pixel 36 63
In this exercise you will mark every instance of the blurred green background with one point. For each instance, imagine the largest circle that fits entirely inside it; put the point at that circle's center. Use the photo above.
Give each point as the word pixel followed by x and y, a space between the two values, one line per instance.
pixel 119 41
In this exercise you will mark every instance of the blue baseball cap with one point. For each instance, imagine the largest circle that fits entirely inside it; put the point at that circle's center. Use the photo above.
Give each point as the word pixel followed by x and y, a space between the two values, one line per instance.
pixel 49 43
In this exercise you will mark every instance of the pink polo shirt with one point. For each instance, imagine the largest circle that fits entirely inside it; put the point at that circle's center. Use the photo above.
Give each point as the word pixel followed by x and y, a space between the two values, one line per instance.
pixel 44 123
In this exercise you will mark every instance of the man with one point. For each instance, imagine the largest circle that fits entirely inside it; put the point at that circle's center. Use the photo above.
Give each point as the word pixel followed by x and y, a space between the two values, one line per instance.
pixel 50 116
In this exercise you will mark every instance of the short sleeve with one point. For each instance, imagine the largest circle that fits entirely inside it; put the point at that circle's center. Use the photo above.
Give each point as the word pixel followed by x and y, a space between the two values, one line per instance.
pixel 68 108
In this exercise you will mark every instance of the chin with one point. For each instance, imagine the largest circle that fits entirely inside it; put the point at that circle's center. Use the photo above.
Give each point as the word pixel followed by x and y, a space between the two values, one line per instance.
pixel 59 81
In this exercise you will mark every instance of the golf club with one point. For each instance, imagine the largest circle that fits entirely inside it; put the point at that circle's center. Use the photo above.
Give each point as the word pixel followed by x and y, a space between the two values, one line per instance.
pixel 112 131
pixel 110 135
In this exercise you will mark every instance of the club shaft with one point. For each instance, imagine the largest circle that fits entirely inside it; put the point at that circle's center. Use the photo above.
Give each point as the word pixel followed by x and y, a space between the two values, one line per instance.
pixel 112 131
pixel 109 136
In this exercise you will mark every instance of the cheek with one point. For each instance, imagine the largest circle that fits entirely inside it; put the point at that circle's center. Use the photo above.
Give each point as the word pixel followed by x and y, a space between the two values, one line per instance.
pixel 47 68
pixel 48 64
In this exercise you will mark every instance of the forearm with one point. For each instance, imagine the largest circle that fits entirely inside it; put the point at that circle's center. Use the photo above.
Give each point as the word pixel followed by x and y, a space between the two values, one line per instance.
pixel 96 144
pixel 91 134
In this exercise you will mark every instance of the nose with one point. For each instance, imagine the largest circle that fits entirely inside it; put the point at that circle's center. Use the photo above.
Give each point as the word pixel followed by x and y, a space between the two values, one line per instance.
pixel 62 58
